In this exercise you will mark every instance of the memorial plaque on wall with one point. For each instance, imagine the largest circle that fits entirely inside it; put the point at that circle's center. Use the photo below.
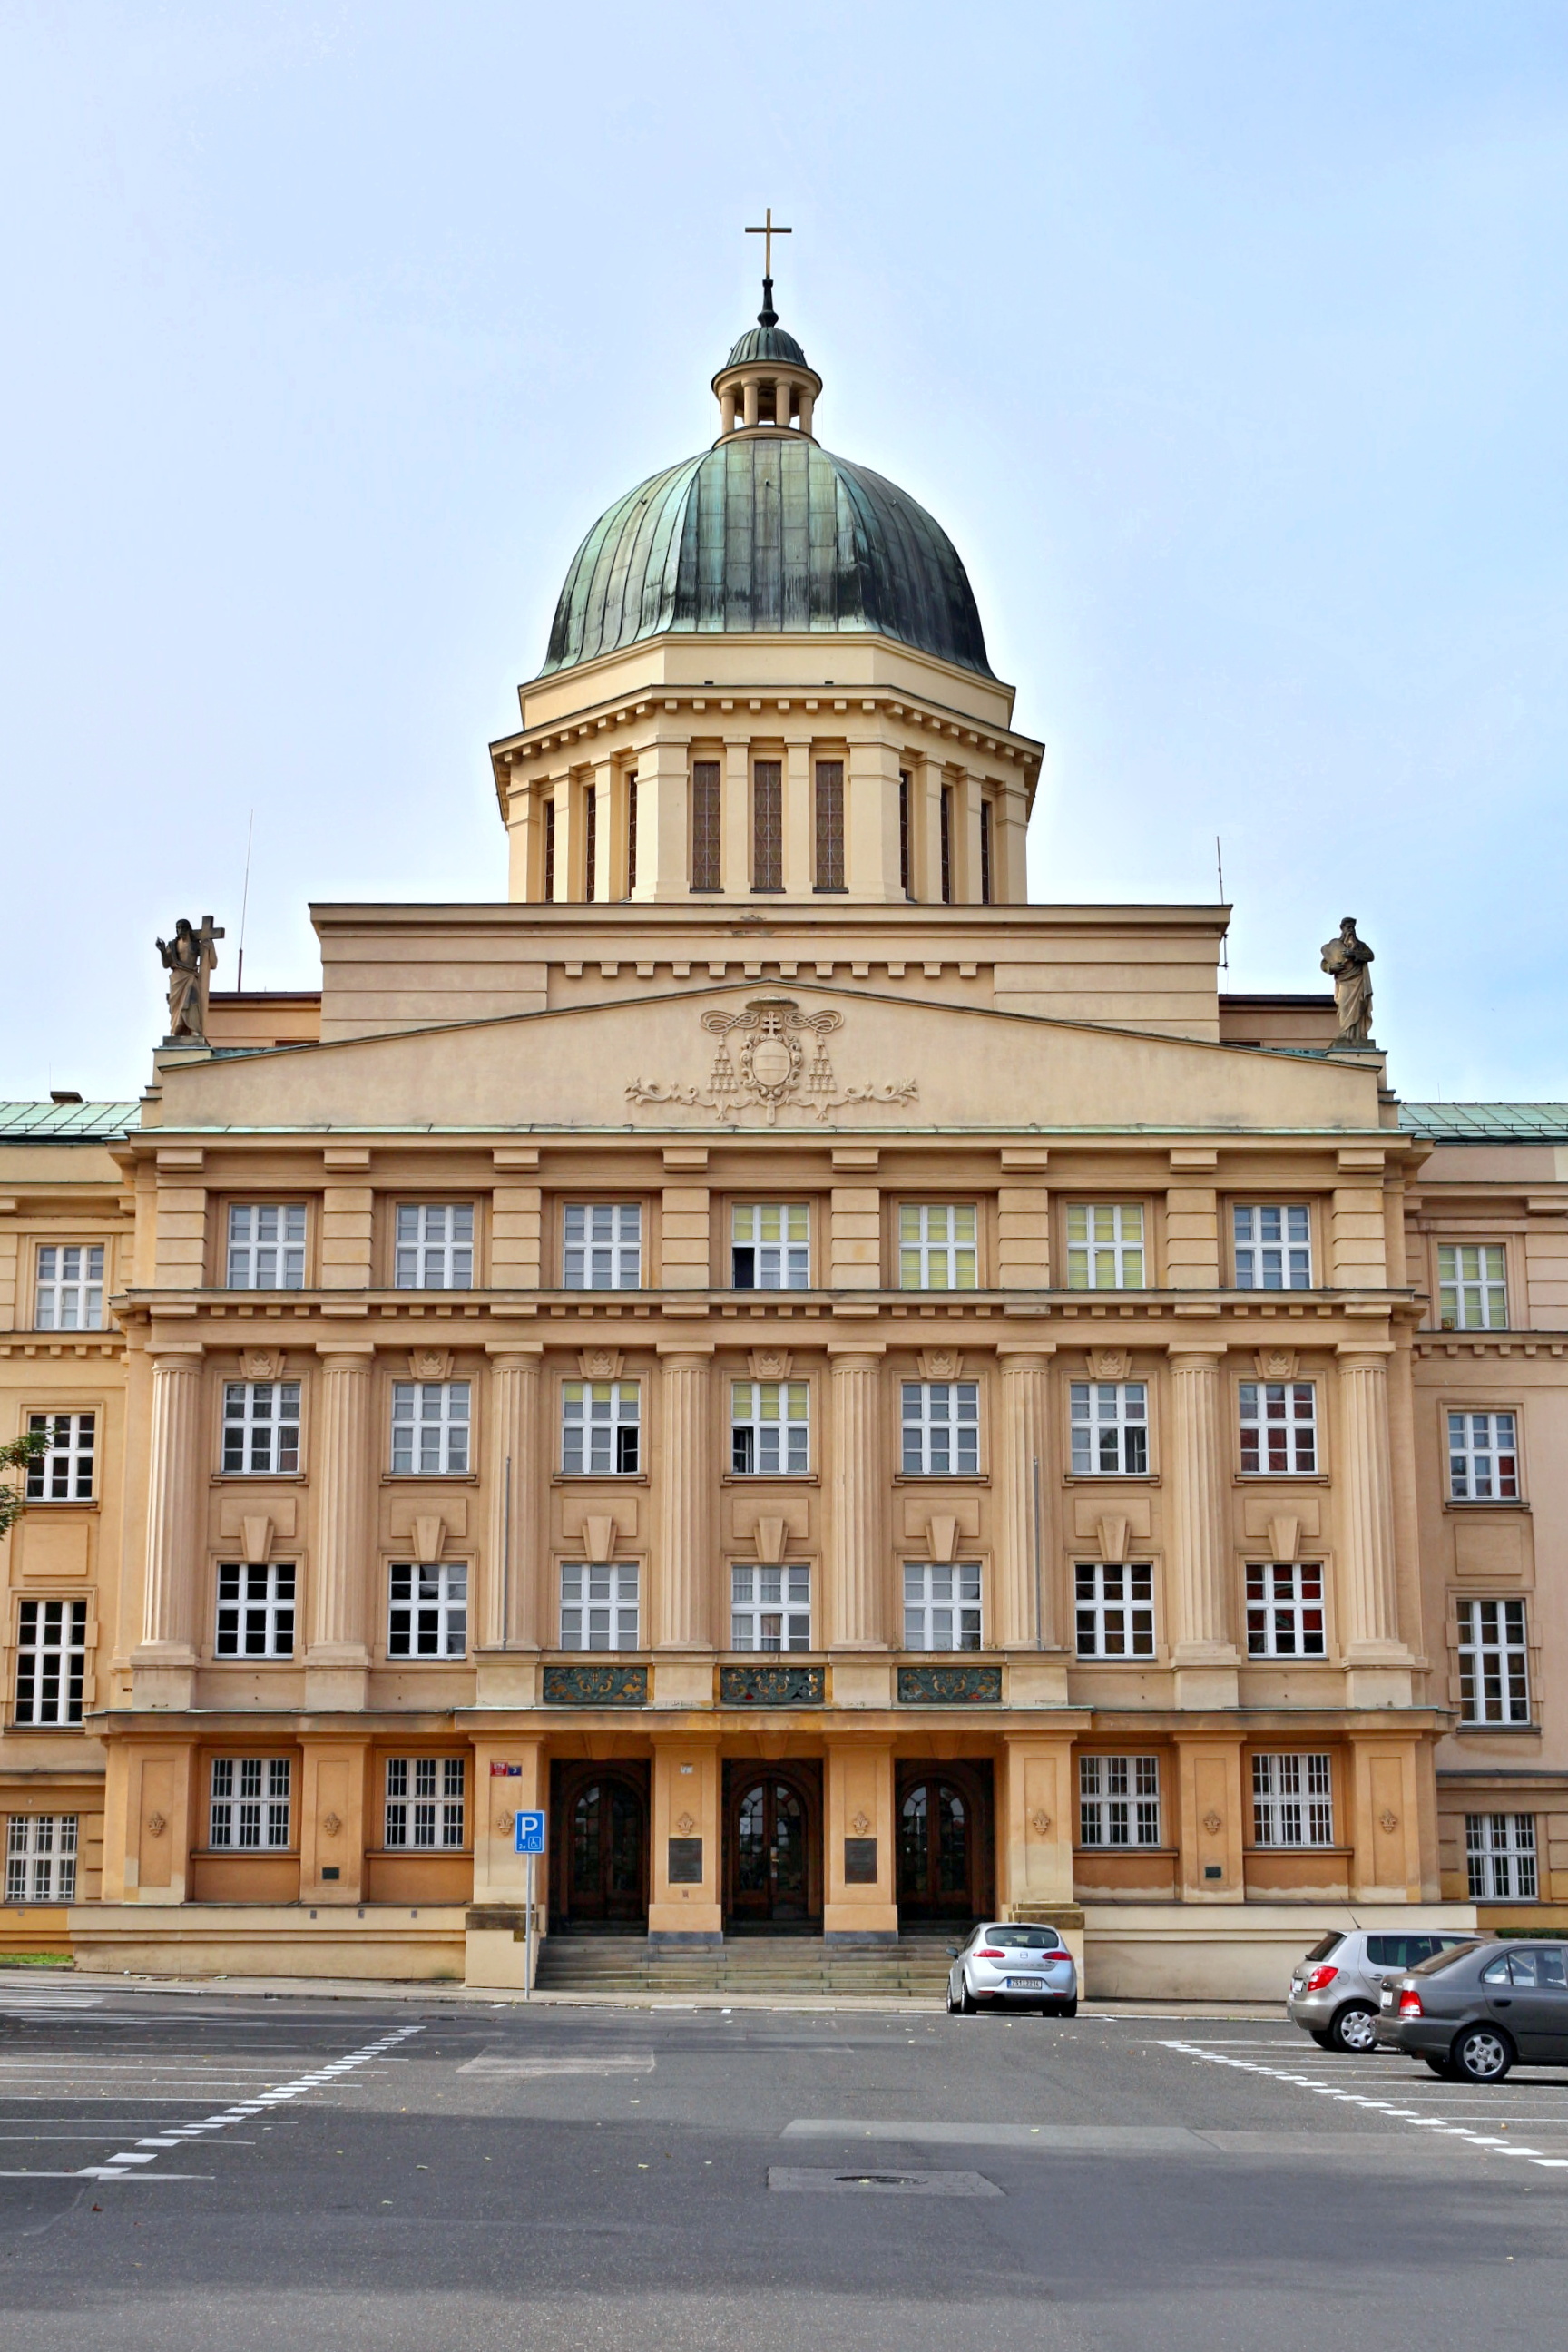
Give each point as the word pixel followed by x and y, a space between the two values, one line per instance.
pixel 860 1862
pixel 686 1862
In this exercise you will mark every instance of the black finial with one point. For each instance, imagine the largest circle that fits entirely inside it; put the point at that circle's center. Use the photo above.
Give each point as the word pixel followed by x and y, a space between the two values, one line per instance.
pixel 767 316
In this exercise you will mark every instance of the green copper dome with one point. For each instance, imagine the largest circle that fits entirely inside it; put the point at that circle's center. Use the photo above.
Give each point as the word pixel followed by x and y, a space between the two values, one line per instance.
pixel 766 531
pixel 765 343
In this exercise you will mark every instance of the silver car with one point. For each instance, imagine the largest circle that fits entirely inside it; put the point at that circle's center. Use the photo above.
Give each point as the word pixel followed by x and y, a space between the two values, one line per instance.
pixel 1335 1992
pixel 1008 1964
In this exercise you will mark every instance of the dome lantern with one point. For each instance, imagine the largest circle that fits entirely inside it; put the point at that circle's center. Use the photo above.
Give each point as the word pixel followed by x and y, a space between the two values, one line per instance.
pixel 765 385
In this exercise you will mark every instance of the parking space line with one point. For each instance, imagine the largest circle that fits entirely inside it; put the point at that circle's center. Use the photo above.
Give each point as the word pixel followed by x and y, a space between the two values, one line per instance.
pixel 1420 2123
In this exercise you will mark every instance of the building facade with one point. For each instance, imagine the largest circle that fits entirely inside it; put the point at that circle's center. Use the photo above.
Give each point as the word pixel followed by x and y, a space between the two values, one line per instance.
pixel 870 1400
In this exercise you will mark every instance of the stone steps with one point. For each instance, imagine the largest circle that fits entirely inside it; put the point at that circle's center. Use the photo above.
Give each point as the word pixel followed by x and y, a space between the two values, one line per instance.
pixel 913 1968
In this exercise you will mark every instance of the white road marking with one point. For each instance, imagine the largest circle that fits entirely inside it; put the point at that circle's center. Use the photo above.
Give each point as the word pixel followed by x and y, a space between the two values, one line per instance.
pixel 622 2062
pixel 1420 2123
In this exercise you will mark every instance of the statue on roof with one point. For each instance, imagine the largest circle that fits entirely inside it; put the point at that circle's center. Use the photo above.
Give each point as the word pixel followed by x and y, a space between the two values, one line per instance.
pixel 188 958
pixel 1346 959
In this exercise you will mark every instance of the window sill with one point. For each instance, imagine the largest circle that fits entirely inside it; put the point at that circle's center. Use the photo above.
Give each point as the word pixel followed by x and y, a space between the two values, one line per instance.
pixel 245 1853
pixel 771 1477
pixel 1483 1503
pixel 598 1478
pixel 1497 1730
pixel 1110 1478
pixel 1294 1478
pixel 251 1477
pixel 942 1478
pixel 418 1853
pixel 429 1477
pixel 62 1502
pixel 1266 1852
pixel 1144 1852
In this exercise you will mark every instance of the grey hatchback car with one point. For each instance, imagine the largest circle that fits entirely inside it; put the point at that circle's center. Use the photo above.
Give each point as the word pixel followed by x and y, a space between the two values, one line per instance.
pixel 1335 1990
pixel 1473 2013
pixel 1007 1965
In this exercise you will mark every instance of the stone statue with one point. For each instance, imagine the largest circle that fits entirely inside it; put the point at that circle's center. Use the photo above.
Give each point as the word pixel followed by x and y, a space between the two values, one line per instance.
pixel 188 958
pixel 1346 959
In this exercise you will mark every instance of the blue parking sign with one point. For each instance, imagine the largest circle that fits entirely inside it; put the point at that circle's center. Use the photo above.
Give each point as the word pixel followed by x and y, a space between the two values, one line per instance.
pixel 531 1833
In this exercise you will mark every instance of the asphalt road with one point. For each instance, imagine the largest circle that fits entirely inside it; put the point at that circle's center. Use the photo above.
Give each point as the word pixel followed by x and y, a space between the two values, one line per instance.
pixel 193 2171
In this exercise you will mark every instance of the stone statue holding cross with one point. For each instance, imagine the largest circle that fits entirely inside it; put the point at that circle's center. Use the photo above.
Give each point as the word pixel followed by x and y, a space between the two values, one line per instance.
pixel 188 958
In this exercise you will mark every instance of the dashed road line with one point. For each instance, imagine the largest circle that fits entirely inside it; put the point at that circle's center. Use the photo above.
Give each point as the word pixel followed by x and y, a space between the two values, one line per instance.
pixel 1354 2099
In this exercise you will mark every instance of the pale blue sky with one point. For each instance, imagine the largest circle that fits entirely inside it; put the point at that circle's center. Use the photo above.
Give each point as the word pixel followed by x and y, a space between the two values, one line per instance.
pixel 1227 341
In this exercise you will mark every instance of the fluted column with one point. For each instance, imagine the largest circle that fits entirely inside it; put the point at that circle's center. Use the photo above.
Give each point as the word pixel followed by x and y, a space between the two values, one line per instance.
pixel 1367 1584
pixel 177 1471
pixel 681 1614
pixel 1200 1595
pixel 513 1600
pixel 856 1551
pixel 1025 1599
pixel 339 1582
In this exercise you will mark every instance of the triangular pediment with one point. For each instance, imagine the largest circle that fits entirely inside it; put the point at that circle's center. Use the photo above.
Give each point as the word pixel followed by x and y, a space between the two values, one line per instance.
pixel 794 1058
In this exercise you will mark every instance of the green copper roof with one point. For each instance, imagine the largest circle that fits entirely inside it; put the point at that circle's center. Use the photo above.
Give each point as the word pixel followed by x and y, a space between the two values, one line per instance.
pixel 760 342
pixel 79 1122
pixel 1487 1122
pixel 766 533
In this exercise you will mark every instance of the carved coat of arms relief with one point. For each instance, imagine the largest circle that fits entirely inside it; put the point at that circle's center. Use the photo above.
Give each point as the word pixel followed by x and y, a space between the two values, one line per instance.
pixel 772 1057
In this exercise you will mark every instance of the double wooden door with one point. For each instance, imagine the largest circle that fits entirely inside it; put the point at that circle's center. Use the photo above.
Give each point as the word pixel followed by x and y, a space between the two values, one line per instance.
pixel 772 1845
pixel 599 1837
pixel 944 1829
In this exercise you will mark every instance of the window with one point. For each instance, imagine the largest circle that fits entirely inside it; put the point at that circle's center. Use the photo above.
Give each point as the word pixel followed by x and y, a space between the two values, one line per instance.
pixel 942 1429
pixel 267 1245
pixel 1285 1610
pixel 70 1287
pixel 63 1472
pixel 1105 1246
pixel 905 868
pixel 600 1429
pixel 985 853
pixel 1292 1800
pixel 1472 1286
pixel 250 1801
pixel 1273 1246
pixel 598 1606
pixel 1278 1428
pixel 937 1245
pixel 1110 1428
pixel 423 1801
pixel 589 836
pixel 706 873
pixel 40 1858
pixel 435 1246
pixel 941 1605
pixel 261 1427
pixel 770 1608
pixel 769 1428
pixel 1115 1610
pixel 549 849
pixel 427 1612
pixel 255 1611
pixel 771 1245
pixel 830 823
pixel 945 822
pixel 1494 1682
pixel 51 1660
pixel 1483 1458
pixel 429 1428
pixel 1118 1800
pixel 631 832
pixel 603 1247
pixel 1500 1852
pixel 767 824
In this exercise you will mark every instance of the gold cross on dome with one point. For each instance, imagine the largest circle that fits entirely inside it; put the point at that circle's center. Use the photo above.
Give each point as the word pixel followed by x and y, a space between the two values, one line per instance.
pixel 769 230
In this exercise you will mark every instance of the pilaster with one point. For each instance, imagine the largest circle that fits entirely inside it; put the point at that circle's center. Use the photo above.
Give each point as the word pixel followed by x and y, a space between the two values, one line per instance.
pixel 1211 1817
pixel 338 1659
pixel 856 1557
pixel 1203 1649
pixel 1025 1571
pixel 332 1828
pixel 1036 1817
pixel 1366 1580
pixel 165 1660
pixel 512 1579
pixel 685 1897
pixel 860 1901
pixel 664 770
pixel 682 1565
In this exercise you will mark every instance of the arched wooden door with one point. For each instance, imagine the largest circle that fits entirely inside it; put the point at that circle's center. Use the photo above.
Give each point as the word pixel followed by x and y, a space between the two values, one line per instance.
pixel 772 1846
pixel 599 1837
pixel 944 1832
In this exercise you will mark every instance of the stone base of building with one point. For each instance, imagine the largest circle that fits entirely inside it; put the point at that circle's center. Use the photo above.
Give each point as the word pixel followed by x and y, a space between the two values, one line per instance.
pixel 1241 1951
pixel 388 1942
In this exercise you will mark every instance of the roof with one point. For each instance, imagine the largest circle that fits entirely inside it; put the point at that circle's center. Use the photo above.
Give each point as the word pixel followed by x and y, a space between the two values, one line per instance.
pixel 52 1122
pixel 1487 1122
pixel 770 533
pixel 760 342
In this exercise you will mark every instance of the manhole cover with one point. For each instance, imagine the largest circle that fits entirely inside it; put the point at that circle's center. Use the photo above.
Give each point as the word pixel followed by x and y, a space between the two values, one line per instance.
pixel 827 2182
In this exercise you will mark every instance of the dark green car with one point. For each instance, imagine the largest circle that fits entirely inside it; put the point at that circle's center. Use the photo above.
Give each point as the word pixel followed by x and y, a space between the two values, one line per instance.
pixel 1476 2011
